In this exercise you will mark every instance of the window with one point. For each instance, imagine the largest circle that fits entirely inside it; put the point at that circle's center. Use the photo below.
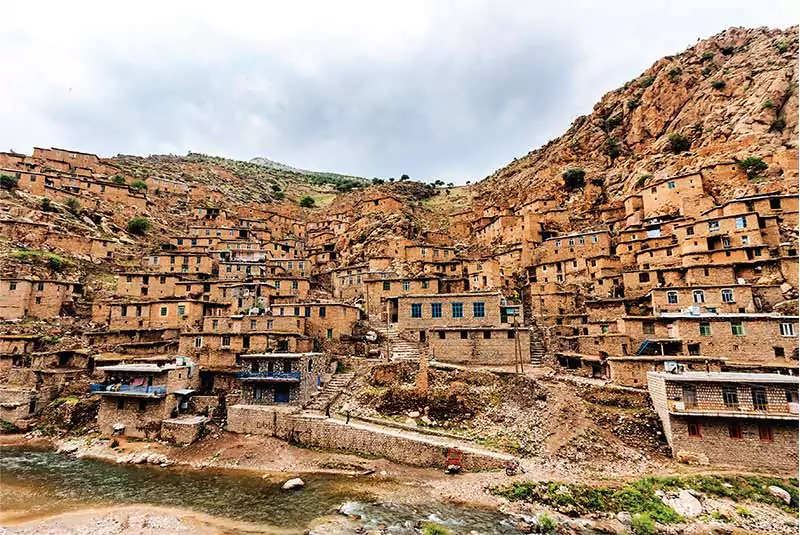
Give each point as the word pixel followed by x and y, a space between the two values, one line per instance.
pixel 416 310
pixel 478 309
pixel 694 429
pixel 458 310
pixel 713 226
pixel 760 402
pixel 40 286
pixel 487 335
pixel 690 231
pixel 295 285
pixel 329 334
pixel 253 324
pixel 226 340
pixel 735 430
pixel 730 395
pixel 698 296
pixel 765 432
pixel 387 285
pixel 406 286
pixel 648 327
pixel 198 341
pixel 425 285
pixel 436 310
pixel 727 295
pixel 142 405
pixel 594 238
pixel 741 222
pixel 672 298
pixel 38 300
pixel 787 328
pixel 163 311
pixel 464 335
pixel 689 396
pixel 120 404
pixel 12 285
pixel 775 204
pixel 779 351
pixel 123 311
pixel 671 185
pixel 181 310
pixel 442 335
pixel 307 312
pixel 323 312
pixel 737 329
pixel 644 277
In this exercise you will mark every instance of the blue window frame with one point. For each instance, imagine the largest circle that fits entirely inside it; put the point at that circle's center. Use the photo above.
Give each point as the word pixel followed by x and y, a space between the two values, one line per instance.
pixel 478 309
pixel 416 310
pixel 436 310
pixel 458 310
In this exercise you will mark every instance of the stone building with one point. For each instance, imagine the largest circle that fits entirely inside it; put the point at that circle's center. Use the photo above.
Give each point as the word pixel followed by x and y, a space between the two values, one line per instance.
pixel 37 298
pixel 741 419
pixel 281 378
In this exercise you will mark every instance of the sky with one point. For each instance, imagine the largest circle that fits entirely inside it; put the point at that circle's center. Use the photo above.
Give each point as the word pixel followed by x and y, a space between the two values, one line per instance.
pixel 436 89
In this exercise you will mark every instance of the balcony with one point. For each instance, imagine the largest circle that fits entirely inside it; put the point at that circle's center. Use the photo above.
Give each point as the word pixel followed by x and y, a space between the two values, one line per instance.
pixel 291 377
pixel 129 390
pixel 783 411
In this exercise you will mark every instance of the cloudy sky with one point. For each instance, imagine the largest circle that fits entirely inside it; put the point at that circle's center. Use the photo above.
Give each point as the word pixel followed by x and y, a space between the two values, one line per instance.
pixel 435 89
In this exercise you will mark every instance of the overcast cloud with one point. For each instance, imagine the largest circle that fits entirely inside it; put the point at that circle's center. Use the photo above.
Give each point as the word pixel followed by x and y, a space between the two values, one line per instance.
pixel 434 89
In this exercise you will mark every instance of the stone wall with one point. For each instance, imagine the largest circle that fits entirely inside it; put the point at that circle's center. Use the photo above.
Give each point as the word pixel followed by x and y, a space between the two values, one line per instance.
pixel 476 348
pixel 336 435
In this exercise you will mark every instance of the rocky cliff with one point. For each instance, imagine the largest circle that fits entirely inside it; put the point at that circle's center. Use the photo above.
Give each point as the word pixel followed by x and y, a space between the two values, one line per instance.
pixel 725 99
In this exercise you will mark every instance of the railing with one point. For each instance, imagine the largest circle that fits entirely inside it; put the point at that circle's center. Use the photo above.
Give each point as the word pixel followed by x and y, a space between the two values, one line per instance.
pixel 130 389
pixel 285 376
pixel 731 408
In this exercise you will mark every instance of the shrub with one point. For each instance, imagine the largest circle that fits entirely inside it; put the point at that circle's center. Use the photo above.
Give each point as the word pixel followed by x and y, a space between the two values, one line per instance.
pixel 727 50
pixel 431 528
pixel 574 179
pixel 31 256
pixel 119 179
pixel 279 195
pixel 612 122
pixel 73 204
pixel 675 74
pixel 307 202
pixel 46 205
pixel 782 46
pixel 633 102
pixel 778 124
pixel 647 81
pixel 546 524
pixel 377 181
pixel 642 180
pixel 8 182
pixel 707 56
pixel 753 165
pixel 706 70
pixel 642 524
pixel 768 104
pixel 139 185
pixel 403 178
pixel 276 187
pixel 139 225
pixel 718 84
pixel 679 143
pixel 612 148
pixel 114 443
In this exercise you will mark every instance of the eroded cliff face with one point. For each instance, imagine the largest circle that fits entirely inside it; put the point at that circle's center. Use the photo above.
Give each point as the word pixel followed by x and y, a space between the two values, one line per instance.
pixel 722 100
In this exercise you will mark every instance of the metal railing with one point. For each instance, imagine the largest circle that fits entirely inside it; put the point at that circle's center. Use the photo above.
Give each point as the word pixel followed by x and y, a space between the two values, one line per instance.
pixel 734 408
pixel 286 376
pixel 129 389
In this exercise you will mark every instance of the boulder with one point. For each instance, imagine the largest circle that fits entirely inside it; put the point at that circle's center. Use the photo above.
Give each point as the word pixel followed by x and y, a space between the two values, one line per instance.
pixel 685 504
pixel 294 483
pixel 780 493
pixel 68 448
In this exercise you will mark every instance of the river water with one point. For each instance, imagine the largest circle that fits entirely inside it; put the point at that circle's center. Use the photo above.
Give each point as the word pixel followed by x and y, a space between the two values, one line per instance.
pixel 62 482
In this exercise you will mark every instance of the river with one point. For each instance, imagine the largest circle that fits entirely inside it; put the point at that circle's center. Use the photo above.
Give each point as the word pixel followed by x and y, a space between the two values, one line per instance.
pixel 64 483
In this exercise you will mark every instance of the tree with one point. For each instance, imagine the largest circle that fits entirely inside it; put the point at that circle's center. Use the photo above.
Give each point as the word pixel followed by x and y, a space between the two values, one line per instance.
pixel 307 202
pixel 279 195
pixel 438 183
pixel 377 181
pixel 403 178
pixel 139 185
pixel 753 165
pixel 139 225
pixel 119 179
pixel 574 179
pixel 679 143
pixel 8 182
pixel 46 205
pixel 73 204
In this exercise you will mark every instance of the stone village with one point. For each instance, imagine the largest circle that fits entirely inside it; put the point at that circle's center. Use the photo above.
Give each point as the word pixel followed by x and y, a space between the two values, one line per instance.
pixel 245 312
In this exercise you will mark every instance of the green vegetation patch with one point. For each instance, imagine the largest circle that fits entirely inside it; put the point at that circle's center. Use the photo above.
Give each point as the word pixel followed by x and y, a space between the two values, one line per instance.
pixel 753 165
pixel 34 256
pixel 639 497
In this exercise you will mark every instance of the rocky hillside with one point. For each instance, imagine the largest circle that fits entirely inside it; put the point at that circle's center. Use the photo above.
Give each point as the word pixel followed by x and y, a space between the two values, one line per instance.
pixel 725 99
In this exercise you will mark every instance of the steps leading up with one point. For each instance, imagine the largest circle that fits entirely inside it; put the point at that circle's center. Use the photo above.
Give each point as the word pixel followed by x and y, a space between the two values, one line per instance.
pixel 330 391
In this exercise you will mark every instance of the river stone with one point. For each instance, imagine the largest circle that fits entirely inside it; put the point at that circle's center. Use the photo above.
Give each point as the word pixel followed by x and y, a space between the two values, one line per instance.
pixel 294 483
pixel 780 493
pixel 685 504
pixel 68 448
pixel 625 518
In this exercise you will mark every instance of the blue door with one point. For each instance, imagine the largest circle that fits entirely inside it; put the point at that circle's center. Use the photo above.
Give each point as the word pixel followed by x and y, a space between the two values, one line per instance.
pixel 281 393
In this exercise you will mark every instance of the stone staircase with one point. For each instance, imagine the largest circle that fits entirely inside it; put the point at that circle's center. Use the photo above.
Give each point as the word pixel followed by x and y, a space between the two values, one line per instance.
pixel 399 347
pixel 537 347
pixel 330 391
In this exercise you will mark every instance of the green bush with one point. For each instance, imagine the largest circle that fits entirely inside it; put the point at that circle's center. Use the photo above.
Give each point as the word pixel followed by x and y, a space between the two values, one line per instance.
pixel 574 179
pixel 612 122
pixel 8 182
pixel 119 179
pixel 782 46
pixel 114 444
pixel 633 102
pixel 675 74
pixel 707 56
pixel 139 185
pixel 279 195
pixel 432 528
pixel 743 512
pixel 647 81
pixel 73 204
pixel 642 180
pixel 546 524
pixel 46 205
pixel 32 256
pixel 753 165
pixel 612 148
pixel 139 225
pixel 706 70
pixel 718 84
pixel 768 104
pixel 307 202
pixel 778 124
pixel 642 524
pixel 678 143
pixel 727 50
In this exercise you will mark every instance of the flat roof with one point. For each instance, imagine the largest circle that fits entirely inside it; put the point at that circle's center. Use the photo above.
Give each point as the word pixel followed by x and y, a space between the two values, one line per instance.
pixel 465 294
pixel 728 377
pixel 143 368
pixel 282 355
